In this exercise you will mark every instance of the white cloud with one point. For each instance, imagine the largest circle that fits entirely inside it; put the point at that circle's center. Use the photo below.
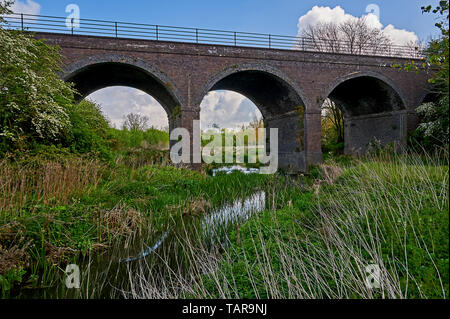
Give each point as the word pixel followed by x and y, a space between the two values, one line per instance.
pixel 26 6
pixel 227 109
pixel 116 102
pixel 326 15
pixel 400 37
pixel 224 108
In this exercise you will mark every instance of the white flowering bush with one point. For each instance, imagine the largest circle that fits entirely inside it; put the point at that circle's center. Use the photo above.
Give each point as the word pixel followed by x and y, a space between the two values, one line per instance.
pixel 435 121
pixel 33 99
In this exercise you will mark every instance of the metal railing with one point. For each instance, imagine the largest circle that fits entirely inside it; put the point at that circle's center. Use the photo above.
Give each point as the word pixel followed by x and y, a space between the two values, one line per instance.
pixel 41 23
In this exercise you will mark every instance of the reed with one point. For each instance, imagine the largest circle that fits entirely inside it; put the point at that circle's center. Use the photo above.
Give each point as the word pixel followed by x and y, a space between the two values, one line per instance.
pixel 390 211
pixel 42 181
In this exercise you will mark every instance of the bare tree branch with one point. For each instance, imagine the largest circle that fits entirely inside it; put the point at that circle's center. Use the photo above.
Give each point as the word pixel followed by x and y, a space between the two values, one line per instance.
pixel 135 122
pixel 353 36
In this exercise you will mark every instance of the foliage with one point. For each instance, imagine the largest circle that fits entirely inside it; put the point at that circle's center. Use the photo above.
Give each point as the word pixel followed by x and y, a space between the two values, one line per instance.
pixel 126 139
pixel 7 281
pixel 437 53
pixel 434 126
pixel 33 100
pixel 332 128
pixel 388 210
pixel 90 130
pixel 434 116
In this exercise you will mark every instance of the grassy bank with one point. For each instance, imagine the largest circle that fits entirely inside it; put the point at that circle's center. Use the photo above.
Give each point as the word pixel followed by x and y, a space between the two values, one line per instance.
pixel 56 208
pixel 317 239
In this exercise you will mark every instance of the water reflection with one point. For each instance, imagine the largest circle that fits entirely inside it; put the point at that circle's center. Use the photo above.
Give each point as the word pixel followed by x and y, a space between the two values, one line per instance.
pixel 236 168
pixel 148 251
pixel 106 274
pixel 216 224
pixel 240 211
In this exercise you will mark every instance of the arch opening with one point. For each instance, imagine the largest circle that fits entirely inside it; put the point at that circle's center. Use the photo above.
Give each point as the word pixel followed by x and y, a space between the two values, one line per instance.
pixel 280 107
pixel 97 76
pixel 271 94
pixel 117 102
pixel 228 109
pixel 131 123
pixel 366 95
pixel 360 112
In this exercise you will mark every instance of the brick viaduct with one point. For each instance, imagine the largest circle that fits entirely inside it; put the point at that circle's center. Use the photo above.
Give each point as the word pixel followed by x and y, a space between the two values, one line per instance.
pixel 288 86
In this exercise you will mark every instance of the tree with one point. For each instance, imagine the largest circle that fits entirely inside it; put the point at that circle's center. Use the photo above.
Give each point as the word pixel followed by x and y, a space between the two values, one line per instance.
pixel 434 126
pixel 136 122
pixel 437 52
pixel 255 125
pixel 90 129
pixel 353 36
pixel 434 116
pixel 333 118
pixel 33 100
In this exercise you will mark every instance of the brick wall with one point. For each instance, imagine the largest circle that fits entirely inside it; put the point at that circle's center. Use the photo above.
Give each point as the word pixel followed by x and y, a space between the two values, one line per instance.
pixel 188 71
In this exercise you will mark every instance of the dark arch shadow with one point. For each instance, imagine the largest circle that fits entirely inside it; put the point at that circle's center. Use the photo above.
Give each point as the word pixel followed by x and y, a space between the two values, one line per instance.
pixel 373 112
pixel 274 84
pixel 269 93
pixel 431 97
pixel 366 95
pixel 94 77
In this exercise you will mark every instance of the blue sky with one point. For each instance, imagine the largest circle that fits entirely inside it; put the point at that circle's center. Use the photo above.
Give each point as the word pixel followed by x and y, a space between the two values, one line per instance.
pixel 276 17
pixel 401 20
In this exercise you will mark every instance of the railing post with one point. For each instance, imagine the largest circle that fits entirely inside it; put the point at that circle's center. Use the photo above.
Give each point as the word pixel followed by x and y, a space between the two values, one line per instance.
pixel 235 39
pixel 157 33
pixel 21 18
pixel 71 21
pixel 196 35
pixel 270 42
pixel 115 25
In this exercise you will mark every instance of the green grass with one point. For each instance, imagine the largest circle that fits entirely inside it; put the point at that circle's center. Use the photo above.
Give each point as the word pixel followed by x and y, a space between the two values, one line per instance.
pixel 132 139
pixel 315 239
pixel 391 213
pixel 316 242
pixel 153 196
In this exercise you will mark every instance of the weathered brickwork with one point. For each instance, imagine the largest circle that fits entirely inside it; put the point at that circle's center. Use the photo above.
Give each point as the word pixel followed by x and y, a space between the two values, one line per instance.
pixel 179 75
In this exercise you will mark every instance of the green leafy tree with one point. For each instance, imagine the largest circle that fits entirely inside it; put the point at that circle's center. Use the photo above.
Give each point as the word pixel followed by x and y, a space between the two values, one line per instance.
pixel 90 131
pixel 33 100
pixel 333 120
pixel 434 116
pixel 437 53
pixel 434 126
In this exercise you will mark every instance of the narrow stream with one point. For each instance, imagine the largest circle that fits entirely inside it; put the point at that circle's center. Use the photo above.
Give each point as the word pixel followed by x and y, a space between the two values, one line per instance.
pixel 216 224
pixel 236 168
pixel 107 272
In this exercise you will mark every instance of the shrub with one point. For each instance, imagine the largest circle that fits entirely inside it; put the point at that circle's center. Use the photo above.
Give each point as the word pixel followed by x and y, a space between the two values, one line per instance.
pixel 434 126
pixel 33 99
pixel 90 130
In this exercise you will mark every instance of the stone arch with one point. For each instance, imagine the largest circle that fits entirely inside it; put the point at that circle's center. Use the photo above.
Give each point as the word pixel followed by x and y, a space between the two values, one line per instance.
pixel 429 94
pixel 380 81
pixel 374 110
pixel 267 70
pixel 280 100
pixel 99 71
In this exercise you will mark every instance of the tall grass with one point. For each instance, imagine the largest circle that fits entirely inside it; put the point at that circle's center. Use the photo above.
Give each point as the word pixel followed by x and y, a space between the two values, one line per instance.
pixel 134 138
pixel 42 181
pixel 388 213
